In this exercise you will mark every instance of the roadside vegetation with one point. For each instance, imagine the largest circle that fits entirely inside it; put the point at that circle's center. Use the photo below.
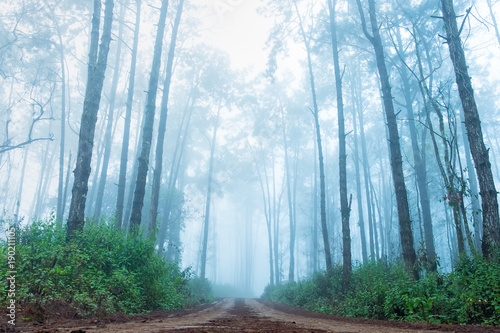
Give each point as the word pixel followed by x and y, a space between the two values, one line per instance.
pixel 102 271
pixel 378 290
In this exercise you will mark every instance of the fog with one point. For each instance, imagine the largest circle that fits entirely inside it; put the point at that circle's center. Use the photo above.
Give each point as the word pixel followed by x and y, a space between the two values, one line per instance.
pixel 250 83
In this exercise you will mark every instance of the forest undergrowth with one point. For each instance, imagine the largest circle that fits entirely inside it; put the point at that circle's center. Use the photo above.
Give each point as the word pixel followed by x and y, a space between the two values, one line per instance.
pixel 102 271
pixel 380 290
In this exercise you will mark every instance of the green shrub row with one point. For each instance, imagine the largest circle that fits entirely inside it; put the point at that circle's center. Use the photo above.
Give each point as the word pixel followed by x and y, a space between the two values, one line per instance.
pixel 378 290
pixel 102 271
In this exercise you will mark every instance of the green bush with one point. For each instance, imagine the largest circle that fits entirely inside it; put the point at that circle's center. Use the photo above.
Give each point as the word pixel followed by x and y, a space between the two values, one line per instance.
pixel 378 290
pixel 200 291
pixel 102 271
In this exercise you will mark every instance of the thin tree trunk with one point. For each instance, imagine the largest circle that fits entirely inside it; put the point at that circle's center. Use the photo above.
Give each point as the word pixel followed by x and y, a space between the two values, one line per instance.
pixel 474 196
pixel 96 70
pixel 60 198
pixel 174 173
pixel 66 185
pixel 494 20
pixel 315 111
pixel 364 251
pixel 315 213
pixel 147 133
pixel 99 142
pixel 155 192
pixel 406 233
pixel 345 207
pixel 291 216
pixel 20 190
pixel 108 137
pixel 366 177
pixel 209 196
pixel 122 178
pixel 491 220
pixel 420 168
pixel 268 221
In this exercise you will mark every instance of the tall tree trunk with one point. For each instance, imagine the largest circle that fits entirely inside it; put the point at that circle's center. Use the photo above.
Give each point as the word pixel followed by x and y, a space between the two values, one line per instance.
pixel 108 137
pixel 406 232
pixel 96 70
pixel 99 143
pixel 147 133
pixel 420 168
pixel 315 212
pixel 315 111
pixel 267 214
pixel 174 172
pixel 361 223
pixel 291 216
pixel 131 189
pixel 491 221
pixel 366 178
pixel 155 192
pixel 66 185
pixel 122 178
pixel 474 197
pixel 345 207
pixel 60 198
pixel 494 20
pixel 209 196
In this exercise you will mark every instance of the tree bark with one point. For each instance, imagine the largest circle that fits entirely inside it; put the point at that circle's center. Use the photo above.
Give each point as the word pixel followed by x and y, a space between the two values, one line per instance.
pixel 96 70
pixel 122 178
pixel 155 192
pixel 345 209
pixel 491 221
pixel 147 133
pixel 108 137
pixel 406 233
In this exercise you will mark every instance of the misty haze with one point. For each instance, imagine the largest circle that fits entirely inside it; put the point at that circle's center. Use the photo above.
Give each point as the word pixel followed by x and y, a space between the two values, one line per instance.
pixel 250 165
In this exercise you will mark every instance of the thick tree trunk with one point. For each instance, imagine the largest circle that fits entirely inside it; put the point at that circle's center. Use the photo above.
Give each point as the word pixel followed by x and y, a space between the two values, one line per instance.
pixel 96 70
pixel 155 192
pixel 122 178
pixel 147 133
pixel 406 233
pixel 345 207
pixel 491 221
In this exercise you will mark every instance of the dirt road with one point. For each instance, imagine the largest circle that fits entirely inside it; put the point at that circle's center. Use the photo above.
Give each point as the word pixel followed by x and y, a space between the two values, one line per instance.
pixel 240 315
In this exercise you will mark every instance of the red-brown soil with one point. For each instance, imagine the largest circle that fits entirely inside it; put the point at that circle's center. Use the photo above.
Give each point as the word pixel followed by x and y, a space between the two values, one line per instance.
pixel 237 315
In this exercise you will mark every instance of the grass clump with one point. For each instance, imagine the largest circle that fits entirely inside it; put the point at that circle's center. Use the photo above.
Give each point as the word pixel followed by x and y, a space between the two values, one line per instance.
pixel 379 290
pixel 102 271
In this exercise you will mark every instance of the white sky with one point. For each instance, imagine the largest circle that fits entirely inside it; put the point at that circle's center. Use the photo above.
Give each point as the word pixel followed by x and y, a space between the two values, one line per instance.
pixel 240 31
